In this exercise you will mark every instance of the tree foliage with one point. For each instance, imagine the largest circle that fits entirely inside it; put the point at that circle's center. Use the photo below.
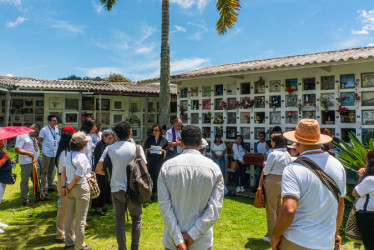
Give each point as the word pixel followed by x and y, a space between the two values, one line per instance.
pixel 117 78
pixel 74 77
pixel 228 15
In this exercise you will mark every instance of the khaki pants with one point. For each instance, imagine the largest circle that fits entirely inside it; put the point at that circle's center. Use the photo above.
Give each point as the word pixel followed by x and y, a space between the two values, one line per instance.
pixel 120 206
pixel 61 213
pixel 289 245
pixel 78 200
pixel 273 189
pixel 47 172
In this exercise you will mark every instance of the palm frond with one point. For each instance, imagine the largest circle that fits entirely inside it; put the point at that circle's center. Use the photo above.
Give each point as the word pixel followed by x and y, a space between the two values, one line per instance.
pixel 108 4
pixel 228 12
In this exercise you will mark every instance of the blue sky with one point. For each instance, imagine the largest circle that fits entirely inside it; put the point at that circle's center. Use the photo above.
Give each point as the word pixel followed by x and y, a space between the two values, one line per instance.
pixel 57 38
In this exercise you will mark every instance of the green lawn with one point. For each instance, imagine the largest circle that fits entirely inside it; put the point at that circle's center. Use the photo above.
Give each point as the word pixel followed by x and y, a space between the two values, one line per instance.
pixel 241 226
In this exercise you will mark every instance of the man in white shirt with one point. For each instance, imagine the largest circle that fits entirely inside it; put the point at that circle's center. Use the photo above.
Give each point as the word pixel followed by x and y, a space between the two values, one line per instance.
pixel 311 214
pixel 190 195
pixel 173 135
pixel 28 150
pixel 121 153
pixel 49 138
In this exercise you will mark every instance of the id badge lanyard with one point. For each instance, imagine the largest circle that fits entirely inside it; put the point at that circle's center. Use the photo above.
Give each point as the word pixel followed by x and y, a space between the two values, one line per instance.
pixel 54 139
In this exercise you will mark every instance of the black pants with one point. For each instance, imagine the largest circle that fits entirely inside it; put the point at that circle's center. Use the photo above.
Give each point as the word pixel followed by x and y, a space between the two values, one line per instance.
pixel 240 174
pixel 365 223
pixel 103 184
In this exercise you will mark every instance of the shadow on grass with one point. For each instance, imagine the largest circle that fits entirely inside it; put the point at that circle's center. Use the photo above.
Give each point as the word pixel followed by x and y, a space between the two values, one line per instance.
pixel 254 243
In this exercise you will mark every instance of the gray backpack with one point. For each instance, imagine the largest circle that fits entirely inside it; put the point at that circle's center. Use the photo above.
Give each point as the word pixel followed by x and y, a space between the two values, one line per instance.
pixel 139 182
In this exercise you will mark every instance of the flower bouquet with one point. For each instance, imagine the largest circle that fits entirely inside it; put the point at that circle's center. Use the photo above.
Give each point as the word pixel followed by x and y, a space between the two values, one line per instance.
pixel 218 120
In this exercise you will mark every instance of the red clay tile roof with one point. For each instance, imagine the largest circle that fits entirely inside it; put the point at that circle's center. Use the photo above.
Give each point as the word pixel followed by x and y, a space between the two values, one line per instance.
pixel 267 64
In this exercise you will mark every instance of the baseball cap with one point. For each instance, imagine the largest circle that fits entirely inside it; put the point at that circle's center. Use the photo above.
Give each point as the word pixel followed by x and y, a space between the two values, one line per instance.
pixel 69 129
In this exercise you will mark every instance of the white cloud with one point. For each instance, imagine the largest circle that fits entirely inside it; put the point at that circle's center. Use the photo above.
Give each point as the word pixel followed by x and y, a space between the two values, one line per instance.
pixel 360 32
pixel 202 29
pixel 179 28
pixel 188 64
pixel 11 75
pixel 68 27
pixel 15 2
pixel 370 45
pixel 145 49
pixel 97 6
pixel 367 22
pixel 101 71
pixel 201 4
pixel 184 3
pixel 19 20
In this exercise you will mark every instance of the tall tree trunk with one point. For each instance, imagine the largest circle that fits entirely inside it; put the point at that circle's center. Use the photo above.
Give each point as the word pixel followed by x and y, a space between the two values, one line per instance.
pixel 165 66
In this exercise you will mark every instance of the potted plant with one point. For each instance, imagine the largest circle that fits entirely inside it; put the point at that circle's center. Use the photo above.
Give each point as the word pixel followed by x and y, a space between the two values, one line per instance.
pixel 325 103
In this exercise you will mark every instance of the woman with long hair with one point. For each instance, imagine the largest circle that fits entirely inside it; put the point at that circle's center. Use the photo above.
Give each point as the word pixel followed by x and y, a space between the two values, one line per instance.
pixel 239 153
pixel 75 187
pixel 218 150
pixel 155 158
pixel 62 151
pixel 364 192
pixel 277 160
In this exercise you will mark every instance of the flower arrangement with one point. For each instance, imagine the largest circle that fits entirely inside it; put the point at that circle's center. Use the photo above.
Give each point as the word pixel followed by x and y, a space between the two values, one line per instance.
pixel 342 110
pixel 185 117
pixel 237 105
pixel 218 120
pixel 86 116
pixel 247 103
pixel 290 114
pixel 260 101
pixel 209 115
pixel 258 119
pixel 325 131
pixel 274 103
pixel 289 88
pixel 229 145
pixel 357 97
pixel 341 98
pixel 324 102
pixel 223 104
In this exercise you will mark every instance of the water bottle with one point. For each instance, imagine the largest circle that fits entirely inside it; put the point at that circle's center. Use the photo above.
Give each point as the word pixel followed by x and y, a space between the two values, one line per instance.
pixel 13 164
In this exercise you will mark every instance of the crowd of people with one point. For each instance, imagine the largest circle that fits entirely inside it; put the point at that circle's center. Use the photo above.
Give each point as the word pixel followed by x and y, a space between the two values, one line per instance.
pixel 304 186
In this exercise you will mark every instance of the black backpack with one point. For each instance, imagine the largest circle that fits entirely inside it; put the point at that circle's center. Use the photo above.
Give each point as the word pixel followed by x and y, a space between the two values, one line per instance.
pixel 139 182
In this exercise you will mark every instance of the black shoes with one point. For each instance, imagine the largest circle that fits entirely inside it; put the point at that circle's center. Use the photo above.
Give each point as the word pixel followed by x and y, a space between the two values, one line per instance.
pixel 27 204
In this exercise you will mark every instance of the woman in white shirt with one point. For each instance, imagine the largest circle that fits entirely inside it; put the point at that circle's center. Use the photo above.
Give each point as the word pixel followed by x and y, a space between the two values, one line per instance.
pixel 364 192
pixel 62 150
pixel 76 188
pixel 218 149
pixel 239 153
pixel 277 160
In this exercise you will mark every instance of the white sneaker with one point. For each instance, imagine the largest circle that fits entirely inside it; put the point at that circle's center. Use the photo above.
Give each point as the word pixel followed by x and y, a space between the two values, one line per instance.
pixel 238 189
pixel 1 231
pixel 2 225
pixel 242 189
pixel 265 238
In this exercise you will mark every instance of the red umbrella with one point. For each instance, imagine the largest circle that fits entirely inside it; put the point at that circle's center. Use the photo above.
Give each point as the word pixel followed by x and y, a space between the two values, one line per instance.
pixel 13 131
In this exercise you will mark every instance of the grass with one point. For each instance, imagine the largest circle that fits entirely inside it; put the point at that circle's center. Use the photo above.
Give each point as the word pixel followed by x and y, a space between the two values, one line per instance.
pixel 241 226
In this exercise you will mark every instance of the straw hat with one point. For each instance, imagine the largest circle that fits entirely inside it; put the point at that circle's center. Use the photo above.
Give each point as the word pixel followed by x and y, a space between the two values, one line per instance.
pixel 307 133
pixel 292 146
pixel 79 137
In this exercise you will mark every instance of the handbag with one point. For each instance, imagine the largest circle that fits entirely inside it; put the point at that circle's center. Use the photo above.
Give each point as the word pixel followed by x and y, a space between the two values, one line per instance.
pixel 352 231
pixel 234 165
pixel 259 201
pixel 92 182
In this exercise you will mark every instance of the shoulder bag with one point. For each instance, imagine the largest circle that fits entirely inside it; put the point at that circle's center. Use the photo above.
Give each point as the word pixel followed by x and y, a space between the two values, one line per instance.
pixel 92 182
pixel 352 230
pixel 234 163
pixel 326 180
pixel 259 201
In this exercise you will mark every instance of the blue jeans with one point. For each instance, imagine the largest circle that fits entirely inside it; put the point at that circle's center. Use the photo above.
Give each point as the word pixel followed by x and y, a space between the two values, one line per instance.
pixel 240 174
pixel 2 191
pixel 258 174
pixel 221 163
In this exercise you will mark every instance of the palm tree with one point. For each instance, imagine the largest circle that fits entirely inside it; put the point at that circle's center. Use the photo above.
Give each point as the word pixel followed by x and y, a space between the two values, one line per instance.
pixel 228 13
